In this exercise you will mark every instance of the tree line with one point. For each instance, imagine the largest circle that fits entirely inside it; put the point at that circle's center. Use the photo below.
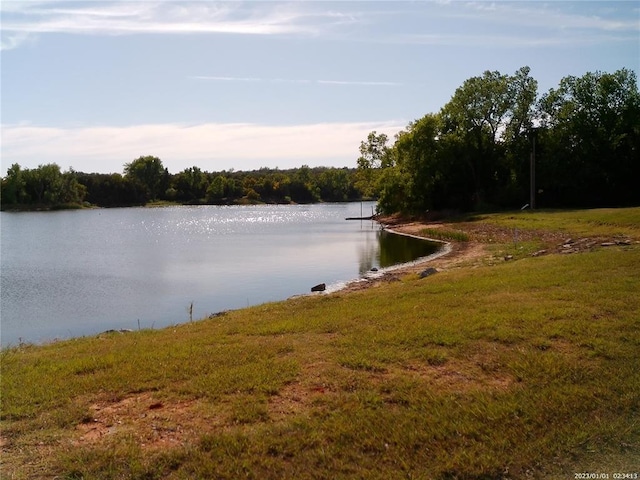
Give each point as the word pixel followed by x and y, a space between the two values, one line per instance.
pixel 476 152
pixel 145 180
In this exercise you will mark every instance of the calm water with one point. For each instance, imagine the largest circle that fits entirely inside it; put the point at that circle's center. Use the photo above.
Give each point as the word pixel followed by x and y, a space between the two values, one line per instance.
pixel 73 273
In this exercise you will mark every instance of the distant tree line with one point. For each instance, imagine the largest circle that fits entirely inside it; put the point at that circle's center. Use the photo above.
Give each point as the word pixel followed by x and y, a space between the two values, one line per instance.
pixel 42 186
pixel 475 153
pixel 146 180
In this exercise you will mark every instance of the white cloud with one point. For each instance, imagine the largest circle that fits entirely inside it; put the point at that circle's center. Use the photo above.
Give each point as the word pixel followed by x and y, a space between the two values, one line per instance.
pixel 512 41
pixel 514 24
pixel 248 79
pixel 360 83
pixel 593 16
pixel 124 17
pixel 556 22
pixel 520 24
pixel 212 147
pixel 10 41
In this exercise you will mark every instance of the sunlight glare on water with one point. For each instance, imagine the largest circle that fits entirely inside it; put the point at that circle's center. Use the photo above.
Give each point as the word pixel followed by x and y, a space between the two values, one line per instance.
pixel 73 273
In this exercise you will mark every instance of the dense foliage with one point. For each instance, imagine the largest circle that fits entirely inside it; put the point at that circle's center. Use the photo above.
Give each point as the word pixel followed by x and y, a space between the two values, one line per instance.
pixel 475 153
pixel 45 185
pixel 145 179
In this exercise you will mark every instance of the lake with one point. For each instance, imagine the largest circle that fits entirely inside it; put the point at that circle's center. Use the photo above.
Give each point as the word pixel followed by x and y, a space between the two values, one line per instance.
pixel 73 273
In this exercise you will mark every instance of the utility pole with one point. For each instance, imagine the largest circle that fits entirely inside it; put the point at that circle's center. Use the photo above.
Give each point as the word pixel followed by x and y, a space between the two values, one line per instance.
pixel 532 170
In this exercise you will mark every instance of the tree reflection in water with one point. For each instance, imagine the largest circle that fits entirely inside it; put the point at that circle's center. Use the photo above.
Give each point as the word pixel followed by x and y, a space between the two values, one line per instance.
pixel 390 249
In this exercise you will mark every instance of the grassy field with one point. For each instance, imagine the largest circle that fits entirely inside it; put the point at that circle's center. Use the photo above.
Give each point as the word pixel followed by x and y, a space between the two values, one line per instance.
pixel 528 368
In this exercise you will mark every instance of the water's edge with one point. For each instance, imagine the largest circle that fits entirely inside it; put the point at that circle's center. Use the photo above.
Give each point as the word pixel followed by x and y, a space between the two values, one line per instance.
pixel 71 276
pixel 372 275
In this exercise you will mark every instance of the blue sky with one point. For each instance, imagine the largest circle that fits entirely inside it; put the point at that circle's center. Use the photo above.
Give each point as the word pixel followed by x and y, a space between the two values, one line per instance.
pixel 95 84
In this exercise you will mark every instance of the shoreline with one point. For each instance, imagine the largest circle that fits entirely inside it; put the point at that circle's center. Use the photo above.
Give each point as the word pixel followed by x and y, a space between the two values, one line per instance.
pixel 451 255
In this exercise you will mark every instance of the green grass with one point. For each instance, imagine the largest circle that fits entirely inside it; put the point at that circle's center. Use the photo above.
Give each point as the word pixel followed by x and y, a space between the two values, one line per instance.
pixel 444 234
pixel 530 367
pixel 596 222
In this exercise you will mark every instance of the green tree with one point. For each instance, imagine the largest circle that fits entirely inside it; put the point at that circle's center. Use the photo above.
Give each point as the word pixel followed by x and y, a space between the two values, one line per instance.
pixel 191 184
pixel 149 173
pixel 42 186
pixel 473 120
pixel 589 142
pixel 13 186
pixel 374 157
pixel 393 196
pixel 281 188
pixel 111 190
pixel 417 155
pixel 517 138
pixel 71 190
pixel 484 118
pixel 334 185
pixel 216 189
pixel 523 93
pixel 303 187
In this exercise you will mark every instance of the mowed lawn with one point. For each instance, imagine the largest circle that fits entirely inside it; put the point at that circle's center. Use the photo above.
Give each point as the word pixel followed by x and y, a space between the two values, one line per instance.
pixel 526 368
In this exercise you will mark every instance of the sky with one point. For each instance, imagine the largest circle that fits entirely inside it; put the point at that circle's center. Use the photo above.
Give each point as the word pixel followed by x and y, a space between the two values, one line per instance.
pixel 93 85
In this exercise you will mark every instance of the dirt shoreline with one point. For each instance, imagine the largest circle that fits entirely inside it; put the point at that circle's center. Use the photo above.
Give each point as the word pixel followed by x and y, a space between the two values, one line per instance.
pixel 478 248
pixel 456 255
